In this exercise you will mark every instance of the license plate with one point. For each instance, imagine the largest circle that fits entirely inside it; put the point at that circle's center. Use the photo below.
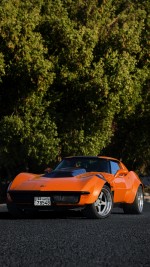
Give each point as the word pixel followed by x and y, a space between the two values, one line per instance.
pixel 42 201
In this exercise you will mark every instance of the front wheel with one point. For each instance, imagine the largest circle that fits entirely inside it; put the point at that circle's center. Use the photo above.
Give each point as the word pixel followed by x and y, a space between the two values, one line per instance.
pixel 102 207
pixel 137 206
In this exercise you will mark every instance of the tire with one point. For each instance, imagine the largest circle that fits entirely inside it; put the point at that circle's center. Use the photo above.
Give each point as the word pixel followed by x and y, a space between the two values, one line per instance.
pixel 102 207
pixel 15 211
pixel 137 206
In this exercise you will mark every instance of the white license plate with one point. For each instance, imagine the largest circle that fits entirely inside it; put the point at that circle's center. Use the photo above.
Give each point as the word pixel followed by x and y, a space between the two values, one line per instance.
pixel 42 201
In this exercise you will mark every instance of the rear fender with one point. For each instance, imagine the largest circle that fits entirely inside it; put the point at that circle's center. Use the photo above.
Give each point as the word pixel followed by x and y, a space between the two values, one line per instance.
pixel 131 193
pixel 21 177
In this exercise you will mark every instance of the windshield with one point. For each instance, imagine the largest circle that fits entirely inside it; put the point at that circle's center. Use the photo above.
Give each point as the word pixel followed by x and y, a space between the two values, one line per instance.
pixel 90 164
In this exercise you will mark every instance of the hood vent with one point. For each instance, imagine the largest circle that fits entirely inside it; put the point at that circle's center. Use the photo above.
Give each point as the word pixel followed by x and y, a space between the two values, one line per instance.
pixel 65 172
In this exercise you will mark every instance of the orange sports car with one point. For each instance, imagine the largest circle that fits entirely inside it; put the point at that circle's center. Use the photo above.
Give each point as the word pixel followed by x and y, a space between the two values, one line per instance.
pixel 89 183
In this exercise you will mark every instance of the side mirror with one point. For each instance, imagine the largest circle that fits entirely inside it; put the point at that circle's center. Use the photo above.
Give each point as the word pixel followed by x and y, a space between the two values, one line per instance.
pixel 121 172
pixel 48 170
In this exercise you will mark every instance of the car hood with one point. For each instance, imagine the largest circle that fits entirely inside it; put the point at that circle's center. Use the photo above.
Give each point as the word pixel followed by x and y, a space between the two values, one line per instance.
pixel 83 181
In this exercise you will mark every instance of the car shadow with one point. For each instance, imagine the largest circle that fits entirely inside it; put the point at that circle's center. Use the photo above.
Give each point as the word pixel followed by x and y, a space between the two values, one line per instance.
pixel 5 215
pixel 72 214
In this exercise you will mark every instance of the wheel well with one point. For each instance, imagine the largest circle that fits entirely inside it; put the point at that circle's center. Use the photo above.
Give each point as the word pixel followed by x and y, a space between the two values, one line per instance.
pixel 110 188
pixel 142 186
pixel 108 185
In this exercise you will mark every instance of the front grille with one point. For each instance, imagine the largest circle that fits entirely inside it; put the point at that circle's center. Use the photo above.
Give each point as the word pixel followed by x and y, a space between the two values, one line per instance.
pixel 23 197
pixel 27 197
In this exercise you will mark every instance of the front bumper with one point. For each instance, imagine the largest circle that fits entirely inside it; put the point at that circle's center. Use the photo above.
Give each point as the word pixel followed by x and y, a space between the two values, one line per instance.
pixel 58 198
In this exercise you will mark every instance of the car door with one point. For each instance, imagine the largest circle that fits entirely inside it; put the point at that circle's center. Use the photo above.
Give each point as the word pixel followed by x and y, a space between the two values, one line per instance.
pixel 119 182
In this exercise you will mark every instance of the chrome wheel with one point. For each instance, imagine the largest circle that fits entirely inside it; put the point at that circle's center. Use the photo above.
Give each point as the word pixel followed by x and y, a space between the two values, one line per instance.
pixel 102 207
pixel 137 206
pixel 103 204
pixel 140 200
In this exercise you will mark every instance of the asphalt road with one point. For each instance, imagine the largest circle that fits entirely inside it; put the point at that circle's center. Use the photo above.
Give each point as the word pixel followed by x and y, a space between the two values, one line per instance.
pixel 72 240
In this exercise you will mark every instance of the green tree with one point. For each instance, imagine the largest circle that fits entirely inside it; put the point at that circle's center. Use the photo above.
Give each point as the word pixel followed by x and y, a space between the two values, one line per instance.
pixel 131 139
pixel 27 130
pixel 97 44
pixel 71 73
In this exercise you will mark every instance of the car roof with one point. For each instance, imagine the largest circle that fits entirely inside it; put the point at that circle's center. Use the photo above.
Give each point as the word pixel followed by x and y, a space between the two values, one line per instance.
pixel 109 158
pixel 89 157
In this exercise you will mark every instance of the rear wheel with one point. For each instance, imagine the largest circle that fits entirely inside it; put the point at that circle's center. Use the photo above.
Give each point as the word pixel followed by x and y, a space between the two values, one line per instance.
pixel 102 207
pixel 137 206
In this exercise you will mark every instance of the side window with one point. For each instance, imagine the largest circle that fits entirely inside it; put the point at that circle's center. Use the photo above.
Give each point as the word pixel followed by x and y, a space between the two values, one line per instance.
pixel 114 167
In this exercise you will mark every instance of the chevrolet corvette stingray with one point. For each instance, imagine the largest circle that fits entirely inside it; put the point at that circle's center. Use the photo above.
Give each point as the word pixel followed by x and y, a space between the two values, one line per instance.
pixel 92 184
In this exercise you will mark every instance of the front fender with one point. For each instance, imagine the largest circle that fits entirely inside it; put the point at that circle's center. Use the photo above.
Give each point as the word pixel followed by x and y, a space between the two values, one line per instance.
pixel 21 177
pixel 93 193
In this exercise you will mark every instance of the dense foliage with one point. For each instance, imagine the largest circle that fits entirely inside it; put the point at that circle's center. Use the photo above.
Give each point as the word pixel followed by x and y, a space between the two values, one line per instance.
pixel 74 79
